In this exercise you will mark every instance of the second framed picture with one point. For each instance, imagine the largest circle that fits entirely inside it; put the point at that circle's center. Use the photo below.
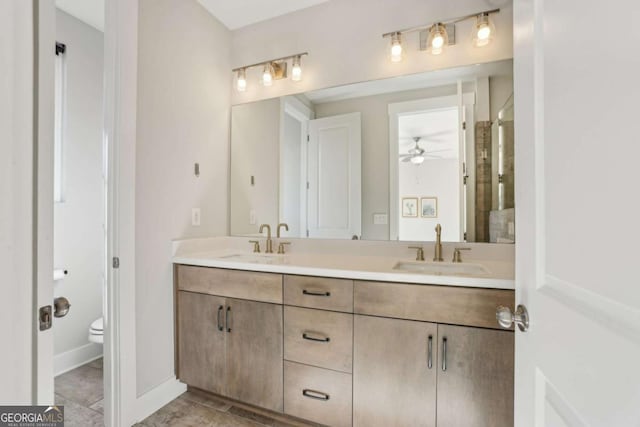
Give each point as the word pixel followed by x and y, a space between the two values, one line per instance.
pixel 429 207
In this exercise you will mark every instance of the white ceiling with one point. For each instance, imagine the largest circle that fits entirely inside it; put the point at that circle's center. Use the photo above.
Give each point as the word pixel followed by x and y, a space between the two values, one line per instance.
pixel 88 11
pixel 438 130
pixel 239 13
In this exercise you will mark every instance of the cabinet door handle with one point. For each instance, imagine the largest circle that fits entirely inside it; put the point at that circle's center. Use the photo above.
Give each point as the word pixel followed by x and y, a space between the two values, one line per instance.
pixel 444 354
pixel 430 352
pixel 220 327
pixel 316 293
pixel 306 336
pixel 227 319
pixel 314 394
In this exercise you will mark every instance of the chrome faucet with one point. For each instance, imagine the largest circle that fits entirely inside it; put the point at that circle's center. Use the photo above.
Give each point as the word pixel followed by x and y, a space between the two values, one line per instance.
pixel 281 225
pixel 437 252
pixel 269 249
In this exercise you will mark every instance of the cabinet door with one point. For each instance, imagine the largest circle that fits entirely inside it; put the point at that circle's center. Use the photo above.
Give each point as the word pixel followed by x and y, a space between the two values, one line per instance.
pixel 475 377
pixel 201 345
pixel 393 382
pixel 254 353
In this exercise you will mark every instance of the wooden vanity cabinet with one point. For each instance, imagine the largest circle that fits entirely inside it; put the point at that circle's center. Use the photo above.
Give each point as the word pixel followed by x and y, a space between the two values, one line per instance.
pixel 230 346
pixel 394 372
pixel 475 386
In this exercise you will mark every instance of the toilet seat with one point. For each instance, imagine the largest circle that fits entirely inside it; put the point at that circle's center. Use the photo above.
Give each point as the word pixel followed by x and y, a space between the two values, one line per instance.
pixel 96 331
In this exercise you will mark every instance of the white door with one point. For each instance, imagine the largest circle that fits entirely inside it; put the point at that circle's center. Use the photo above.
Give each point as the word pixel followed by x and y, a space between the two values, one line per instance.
pixel 577 235
pixel 334 179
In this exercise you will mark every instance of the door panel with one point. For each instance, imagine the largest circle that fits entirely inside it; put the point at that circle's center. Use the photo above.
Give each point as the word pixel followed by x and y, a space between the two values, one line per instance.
pixel 334 165
pixel 475 377
pixel 254 353
pixel 392 382
pixel 574 146
pixel 201 345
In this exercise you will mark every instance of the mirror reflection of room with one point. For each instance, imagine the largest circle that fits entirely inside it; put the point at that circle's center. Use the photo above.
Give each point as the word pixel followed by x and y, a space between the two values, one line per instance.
pixel 381 160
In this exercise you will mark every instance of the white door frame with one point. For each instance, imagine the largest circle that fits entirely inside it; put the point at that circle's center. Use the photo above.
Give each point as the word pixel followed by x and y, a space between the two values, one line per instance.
pixel 120 91
pixel 396 110
pixel 298 110
pixel 121 74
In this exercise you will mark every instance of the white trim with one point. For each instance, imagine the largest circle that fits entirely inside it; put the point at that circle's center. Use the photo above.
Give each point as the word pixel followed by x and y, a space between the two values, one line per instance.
pixel 120 101
pixel 64 362
pixel 157 397
pixel 396 110
pixel 620 318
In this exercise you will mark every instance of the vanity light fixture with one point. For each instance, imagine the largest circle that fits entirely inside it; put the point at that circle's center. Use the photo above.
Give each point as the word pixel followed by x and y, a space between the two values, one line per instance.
pixel 241 80
pixel 296 69
pixel 267 75
pixel 438 38
pixel 434 37
pixel 396 47
pixel 274 69
pixel 483 30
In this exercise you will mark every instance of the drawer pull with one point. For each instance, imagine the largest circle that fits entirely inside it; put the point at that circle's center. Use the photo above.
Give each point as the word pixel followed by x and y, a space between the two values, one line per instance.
pixel 227 319
pixel 306 336
pixel 314 394
pixel 430 352
pixel 220 327
pixel 444 354
pixel 316 293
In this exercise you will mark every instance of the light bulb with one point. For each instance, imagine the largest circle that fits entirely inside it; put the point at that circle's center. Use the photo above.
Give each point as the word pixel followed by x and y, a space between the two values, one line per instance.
pixel 241 81
pixel 416 160
pixel 296 69
pixel 396 48
pixel 267 75
pixel 483 30
pixel 438 39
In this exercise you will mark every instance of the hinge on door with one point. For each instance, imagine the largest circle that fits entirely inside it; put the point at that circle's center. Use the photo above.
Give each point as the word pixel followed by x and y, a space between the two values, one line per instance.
pixel 307 185
pixel 465 236
pixel 116 262
pixel 307 138
pixel 464 125
pixel 307 233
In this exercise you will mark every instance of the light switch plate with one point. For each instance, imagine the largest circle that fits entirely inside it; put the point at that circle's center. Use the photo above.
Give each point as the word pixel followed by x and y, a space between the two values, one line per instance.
pixel 380 219
pixel 195 217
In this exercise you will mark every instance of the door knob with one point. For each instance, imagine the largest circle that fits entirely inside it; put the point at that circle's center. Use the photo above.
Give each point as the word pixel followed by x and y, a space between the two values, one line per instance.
pixel 61 306
pixel 506 318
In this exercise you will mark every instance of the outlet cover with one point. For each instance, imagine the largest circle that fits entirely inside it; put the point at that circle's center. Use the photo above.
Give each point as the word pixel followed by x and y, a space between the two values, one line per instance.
pixel 195 217
pixel 380 219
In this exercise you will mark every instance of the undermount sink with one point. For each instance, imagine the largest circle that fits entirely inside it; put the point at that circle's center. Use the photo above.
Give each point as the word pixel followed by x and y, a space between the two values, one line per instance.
pixel 254 258
pixel 441 268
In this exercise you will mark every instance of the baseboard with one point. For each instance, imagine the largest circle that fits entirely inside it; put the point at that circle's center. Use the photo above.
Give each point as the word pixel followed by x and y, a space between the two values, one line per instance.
pixel 157 397
pixel 71 359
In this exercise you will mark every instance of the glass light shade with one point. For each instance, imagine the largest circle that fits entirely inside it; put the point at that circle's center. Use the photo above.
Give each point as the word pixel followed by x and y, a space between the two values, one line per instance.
pixel 296 70
pixel 483 31
pixel 396 48
pixel 438 39
pixel 267 75
pixel 416 160
pixel 241 80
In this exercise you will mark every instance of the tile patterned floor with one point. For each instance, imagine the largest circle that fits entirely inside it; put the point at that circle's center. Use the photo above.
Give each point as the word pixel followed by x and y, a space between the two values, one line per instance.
pixel 81 393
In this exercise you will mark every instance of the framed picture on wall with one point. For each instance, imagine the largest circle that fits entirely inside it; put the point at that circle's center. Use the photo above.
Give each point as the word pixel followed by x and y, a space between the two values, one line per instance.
pixel 429 207
pixel 409 207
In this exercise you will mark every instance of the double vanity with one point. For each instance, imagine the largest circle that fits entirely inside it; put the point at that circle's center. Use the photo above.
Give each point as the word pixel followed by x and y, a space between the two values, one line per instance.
pixel 335 338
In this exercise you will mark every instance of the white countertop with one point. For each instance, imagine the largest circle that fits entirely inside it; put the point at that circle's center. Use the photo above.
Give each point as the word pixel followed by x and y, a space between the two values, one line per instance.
pixel 358 267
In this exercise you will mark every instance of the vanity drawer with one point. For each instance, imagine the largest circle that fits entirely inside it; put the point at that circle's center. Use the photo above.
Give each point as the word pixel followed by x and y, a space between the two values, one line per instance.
pixel 255 286
pixel 438 304
pixel 318 338
pixel 319 292
pixel 317 394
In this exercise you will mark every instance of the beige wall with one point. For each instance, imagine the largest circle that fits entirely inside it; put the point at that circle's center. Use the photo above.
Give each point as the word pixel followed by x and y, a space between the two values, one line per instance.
pixel 183 118
pixel 344 42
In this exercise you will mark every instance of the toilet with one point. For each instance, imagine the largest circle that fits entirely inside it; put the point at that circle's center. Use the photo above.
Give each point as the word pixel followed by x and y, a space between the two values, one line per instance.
pixel 96 331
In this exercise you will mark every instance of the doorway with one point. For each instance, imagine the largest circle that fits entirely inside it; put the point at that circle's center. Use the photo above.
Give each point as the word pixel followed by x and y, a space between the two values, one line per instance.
pixel 79 226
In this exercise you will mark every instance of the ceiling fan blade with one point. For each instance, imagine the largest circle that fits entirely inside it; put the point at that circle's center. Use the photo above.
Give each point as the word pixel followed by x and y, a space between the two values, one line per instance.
pixel 406 159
